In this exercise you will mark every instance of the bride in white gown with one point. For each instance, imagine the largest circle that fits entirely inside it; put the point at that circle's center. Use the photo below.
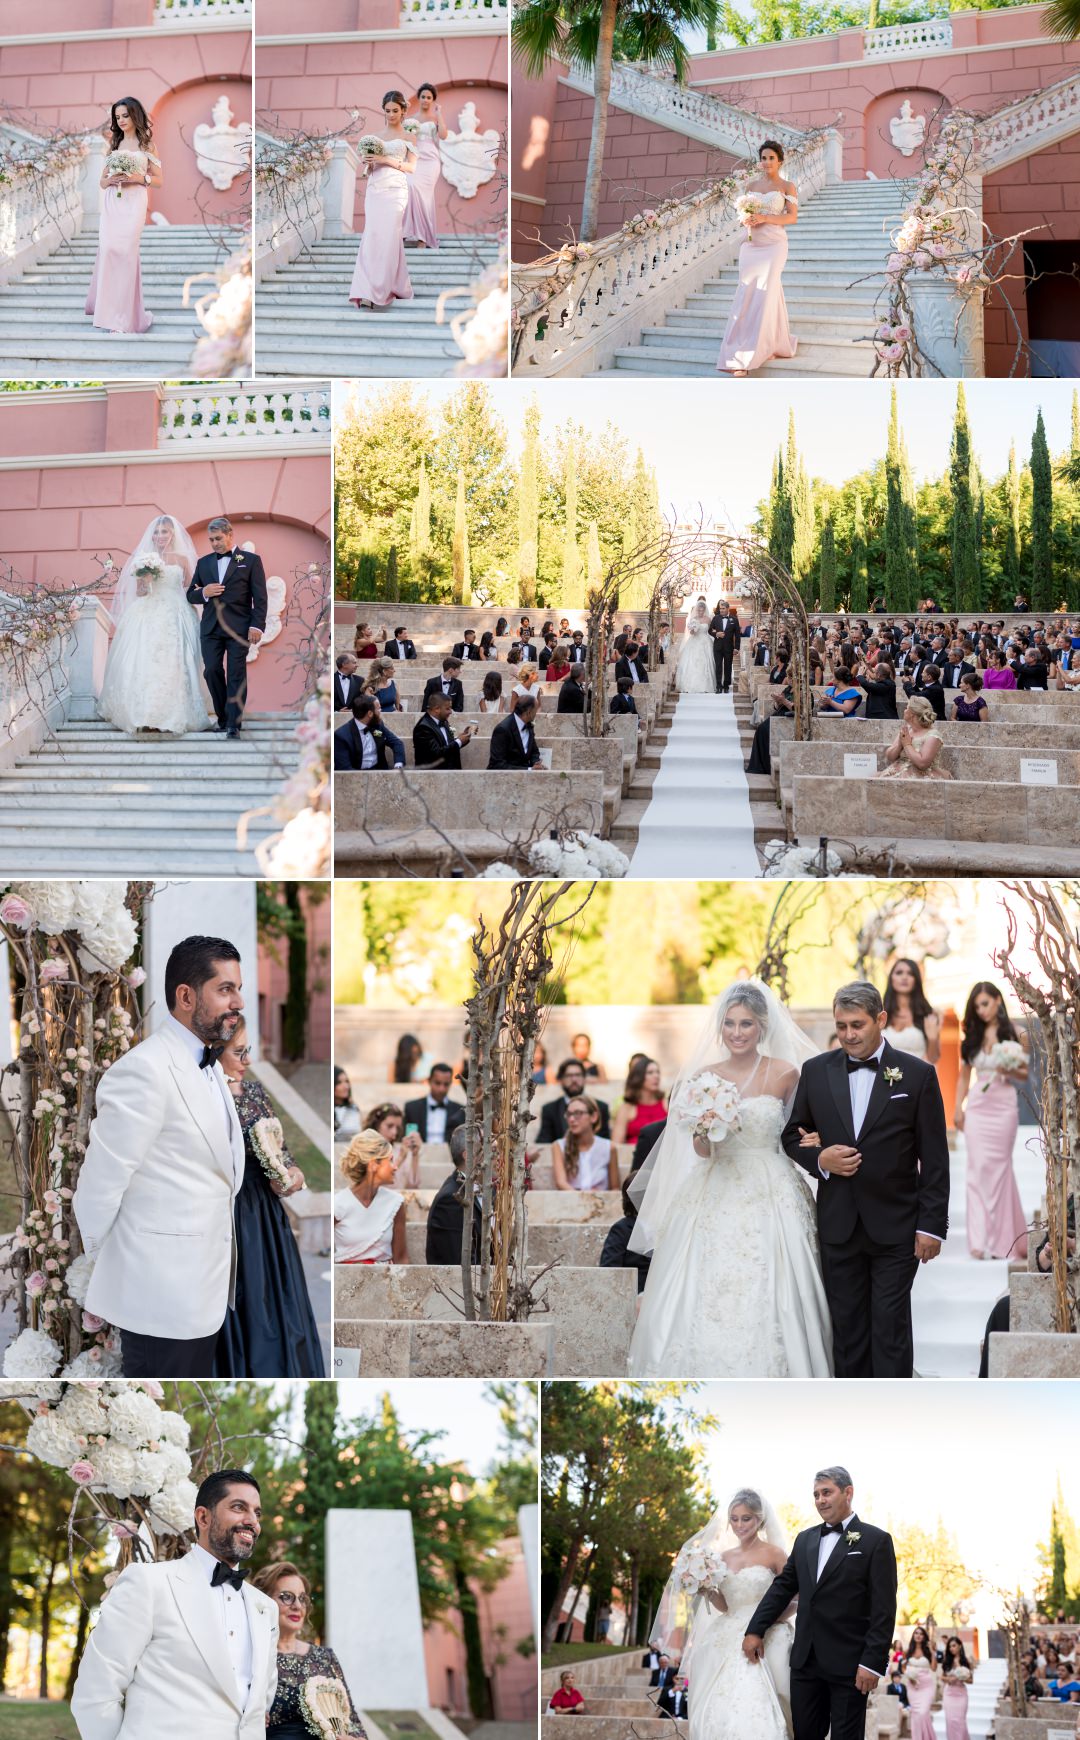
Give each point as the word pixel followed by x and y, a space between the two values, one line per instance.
pixel 731 1697
pixel 695 673
pixel 735 1287
pixel 153 675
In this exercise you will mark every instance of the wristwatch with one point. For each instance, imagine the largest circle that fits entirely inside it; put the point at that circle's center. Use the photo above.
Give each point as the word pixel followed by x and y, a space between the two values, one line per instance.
pixel 148 178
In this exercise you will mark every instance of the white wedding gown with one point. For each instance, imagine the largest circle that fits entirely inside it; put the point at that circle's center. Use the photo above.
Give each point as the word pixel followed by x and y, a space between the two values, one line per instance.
pixel 695 673
pixel 735 1288
pixel 732 1698
pixel 153 674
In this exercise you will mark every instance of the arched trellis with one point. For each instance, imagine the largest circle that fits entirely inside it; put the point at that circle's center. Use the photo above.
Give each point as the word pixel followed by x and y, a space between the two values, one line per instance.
pixel 679 560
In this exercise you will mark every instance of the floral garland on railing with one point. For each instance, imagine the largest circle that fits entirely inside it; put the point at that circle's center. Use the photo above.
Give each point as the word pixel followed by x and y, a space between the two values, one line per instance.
pixel 71 943
pixel 483 330
pixel 283 166
pixel 36 627
pixel 302 850
pixel 225 313
pixel 41 163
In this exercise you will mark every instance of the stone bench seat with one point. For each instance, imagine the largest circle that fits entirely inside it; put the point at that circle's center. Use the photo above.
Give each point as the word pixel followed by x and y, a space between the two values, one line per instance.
pixel 568 755
pixel 944 818
pixel 577 1247
pixel 608 1728
pixel 984 763
pixel 562 1208
pixel 422 820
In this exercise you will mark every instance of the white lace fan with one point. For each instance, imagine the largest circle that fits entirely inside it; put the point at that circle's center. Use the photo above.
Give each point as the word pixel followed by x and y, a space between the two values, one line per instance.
pixel 325 1704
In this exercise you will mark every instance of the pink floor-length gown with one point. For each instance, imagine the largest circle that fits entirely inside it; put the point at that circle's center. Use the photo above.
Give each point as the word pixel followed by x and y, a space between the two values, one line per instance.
pixel 954 1701
pixel 921 1694
pixel 420 219
pixel 757 327
pixel 115 295
pixel 995 1218
pixel 380 275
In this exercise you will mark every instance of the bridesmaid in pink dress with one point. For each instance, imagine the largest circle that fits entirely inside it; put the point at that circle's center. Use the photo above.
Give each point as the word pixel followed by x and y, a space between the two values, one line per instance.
pixel 115 295
pixel 920 1678
pixel 954 1693
pixel 381 276
pixel 757 328
pixel 995 1219
pixel 421 224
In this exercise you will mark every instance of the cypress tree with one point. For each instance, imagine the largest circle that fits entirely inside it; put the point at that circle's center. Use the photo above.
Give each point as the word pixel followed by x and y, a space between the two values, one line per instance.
pixel 391 587
pixel 1011 560
pixel 782 527
pixel 571 594
pixel 860 581
pixel 528 510
pixel 827 568
pixel 420 555
pixel 965 555
pixel 1042 513
pixel 460 553
pixel 911 524
pixel 593 559
pixel 897 595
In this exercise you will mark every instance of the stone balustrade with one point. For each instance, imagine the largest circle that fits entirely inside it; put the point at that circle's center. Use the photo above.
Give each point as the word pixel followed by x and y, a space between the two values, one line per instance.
pixel 440 15
pixel 197 413
pixel 200 13
pixel 896 40
pixel 38 213
pixel 696 114
pixel 1028 125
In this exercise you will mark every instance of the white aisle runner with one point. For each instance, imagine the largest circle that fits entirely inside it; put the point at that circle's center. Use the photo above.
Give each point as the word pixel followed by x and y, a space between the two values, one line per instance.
pixel 698 823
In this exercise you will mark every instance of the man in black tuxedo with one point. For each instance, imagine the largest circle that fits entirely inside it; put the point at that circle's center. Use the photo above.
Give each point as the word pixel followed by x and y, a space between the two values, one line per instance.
pixel 467 648
pixel 347 685
pixel 434 742
pixel 1030 671
pixel 664 1674
pixel 631 664
pixel 956 668
pixel 401 647
pixel 446 1216
pixel 548 653
pixel 448 684
pixel 436 1116
pixel 868 1124
pixel 674 1701
pixel 364 742
pixel 844 1575
pixel 571 1078
pixel 724 629
pixel 513 741
pixel 930 688
pixel 572 695
pixel 231 587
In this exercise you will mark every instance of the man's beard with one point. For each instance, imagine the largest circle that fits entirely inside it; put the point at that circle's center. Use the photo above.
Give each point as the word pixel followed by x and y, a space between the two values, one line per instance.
pixel 223 1545
pixel 210 1030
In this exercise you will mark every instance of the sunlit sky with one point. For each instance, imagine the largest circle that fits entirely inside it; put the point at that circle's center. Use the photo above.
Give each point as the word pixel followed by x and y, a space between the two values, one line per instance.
pixel 713 443
pixel 985 1457
pixel 456 1406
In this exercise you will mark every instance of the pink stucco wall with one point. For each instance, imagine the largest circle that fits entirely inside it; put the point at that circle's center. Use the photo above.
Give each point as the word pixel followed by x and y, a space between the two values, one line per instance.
pixel 1040 194
pixel 315 85
pixel 177 75
pixel 505 1614
pixel 55 519
pixel 274 984
pixel 18 18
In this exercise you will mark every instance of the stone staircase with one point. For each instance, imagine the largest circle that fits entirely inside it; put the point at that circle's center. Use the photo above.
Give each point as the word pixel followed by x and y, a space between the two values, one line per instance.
pixel 842 236
pixel 306 326
pixel 45 335
pixel 143 806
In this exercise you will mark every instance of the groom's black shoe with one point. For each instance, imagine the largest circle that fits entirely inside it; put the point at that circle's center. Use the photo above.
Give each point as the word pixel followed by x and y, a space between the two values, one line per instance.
pixel 233 731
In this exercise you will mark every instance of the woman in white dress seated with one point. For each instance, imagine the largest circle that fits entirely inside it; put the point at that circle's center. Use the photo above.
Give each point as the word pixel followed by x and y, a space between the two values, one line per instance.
pixel 369 1217
pixel 695 673
pixel 583 1160
pixel 912 1025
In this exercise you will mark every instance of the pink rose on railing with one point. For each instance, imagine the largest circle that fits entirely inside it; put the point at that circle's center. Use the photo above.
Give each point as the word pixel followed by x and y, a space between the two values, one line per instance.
pixel 82 1473
pixel 17 911
pixel 92 1324
pixel 35 1283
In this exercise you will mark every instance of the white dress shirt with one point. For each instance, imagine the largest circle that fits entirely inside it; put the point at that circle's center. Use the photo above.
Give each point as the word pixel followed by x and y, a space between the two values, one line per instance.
pixel 523 732
pixel 235 1623
pixel 215 1084
pixel 223 566
pixel 343 689
pixel 370 754
pixel 436 1121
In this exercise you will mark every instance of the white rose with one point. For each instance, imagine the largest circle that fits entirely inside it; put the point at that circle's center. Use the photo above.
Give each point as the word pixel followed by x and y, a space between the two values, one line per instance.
pixel 52 1441
pixel 173 1511
pixel 134 1418
pixel 32 1355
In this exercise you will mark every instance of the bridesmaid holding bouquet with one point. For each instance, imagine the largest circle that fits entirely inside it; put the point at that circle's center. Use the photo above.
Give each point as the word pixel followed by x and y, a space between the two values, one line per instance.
pixel 420 219
pixel 131 169
pixel 993 1061
pixel 757 329
pixel 381 276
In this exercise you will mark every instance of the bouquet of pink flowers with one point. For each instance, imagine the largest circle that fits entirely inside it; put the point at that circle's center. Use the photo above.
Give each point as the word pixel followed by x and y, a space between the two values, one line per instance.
pixel 708 1105
pixel 750 205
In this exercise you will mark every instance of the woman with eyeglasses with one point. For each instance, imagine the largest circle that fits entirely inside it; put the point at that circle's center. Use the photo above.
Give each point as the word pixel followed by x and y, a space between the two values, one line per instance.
pixel 298 1659
pixel 584 1160
pixel 271 1330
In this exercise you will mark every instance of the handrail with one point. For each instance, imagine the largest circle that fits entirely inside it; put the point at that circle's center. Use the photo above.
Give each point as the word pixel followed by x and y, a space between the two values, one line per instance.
pixel 687 111
pixel 894 40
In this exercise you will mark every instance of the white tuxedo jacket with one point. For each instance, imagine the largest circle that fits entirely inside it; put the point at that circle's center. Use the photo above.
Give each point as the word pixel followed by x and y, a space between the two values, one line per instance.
pixel 157 1664
pixel 154 1201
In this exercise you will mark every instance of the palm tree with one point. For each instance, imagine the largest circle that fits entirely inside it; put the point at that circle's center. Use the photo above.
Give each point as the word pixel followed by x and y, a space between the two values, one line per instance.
pixel 589 33
pixel 1063 19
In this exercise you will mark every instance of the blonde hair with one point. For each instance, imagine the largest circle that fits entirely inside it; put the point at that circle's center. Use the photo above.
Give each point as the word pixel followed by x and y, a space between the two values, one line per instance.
pixel 363 1154
pixel 922 710
pixel 267 1580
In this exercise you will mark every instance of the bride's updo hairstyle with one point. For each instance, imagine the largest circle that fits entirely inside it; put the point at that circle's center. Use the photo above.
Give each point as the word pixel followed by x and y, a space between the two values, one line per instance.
pixel 752 1501
pixel 750 997
pixel 394 97
pixel 770 145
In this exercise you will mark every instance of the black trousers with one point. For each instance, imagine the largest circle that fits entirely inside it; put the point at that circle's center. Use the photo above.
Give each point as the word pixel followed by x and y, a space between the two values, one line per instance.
pixel 156 1356
pixel 868 1286
pixel 225 669
pixel 722 658
pixel 820 1706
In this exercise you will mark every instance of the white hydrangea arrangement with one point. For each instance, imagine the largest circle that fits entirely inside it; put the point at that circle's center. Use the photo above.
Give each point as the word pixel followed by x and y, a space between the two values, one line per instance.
pixel 784 862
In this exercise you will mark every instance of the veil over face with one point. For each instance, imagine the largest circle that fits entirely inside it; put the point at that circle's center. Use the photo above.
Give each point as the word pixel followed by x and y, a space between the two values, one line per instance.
pixel 662 1179
pixel 670 1630
pixel 180 552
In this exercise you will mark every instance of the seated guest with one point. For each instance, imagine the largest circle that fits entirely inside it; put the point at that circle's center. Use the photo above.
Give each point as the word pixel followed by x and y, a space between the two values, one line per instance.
pixel 572 697
pixel 369 1217
pixel 449 684
pixel 956 667
pixel 346 1110
pixel 527 686
pixel 929 686
pixel 558 666
pixel 621 702
pixel 547 651
pixel 841 695
pixel 674 1701
pixel 364 742
pixel 783 707
pixel 436 1116
pixel 488 649
pixel 1068 675
pixel 466 647
pixel 502 628
pixel 643 1101
pixel 388 1121
pixel 584 1160
pixel 513 741
pixel 969 703
pixel 347 685
pixel 571 1078
pixel 616 1254
pixel 998 673
pixel 363 642
pixel 446 1216
pixel 914 750
pixel 581 1049
pixel 434 742
pixel 567 1701
pixel 381 684
pixel 491 698
pixel 880 691
pixel 400 647
pixel 528 649
pixel 1031 672
pixel 631 664
pixel 578 649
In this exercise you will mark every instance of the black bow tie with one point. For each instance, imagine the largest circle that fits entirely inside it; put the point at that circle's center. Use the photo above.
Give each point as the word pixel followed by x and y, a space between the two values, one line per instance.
pixel 209 1056
pixel 831 1529
pixel 222 1574
pixel 854 1063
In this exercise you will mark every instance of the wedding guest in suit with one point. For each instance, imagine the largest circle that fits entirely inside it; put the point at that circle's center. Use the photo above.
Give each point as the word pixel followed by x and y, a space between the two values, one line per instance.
pixel 631 664
pixel 467 648
pixel 547 652
pixel 880 691
pixel 449 684
pixel 621 702
pixel 674 1700
pixel 572 696
pixel 364 743
pixel 347 685
pixel 929 688
pixel 298 1659
pixel 434 742
pixel 400 647
pixel 446 1216
pixel 1031 672
pixel 616 1253
pixel 956 668
pixel 513 741
pixel 571 1078
pixel 436 1116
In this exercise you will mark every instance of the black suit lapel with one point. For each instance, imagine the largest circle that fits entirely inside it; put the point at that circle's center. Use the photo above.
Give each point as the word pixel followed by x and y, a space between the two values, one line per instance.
pixel 879 1093
pixel 841 1093
pixel 808 1581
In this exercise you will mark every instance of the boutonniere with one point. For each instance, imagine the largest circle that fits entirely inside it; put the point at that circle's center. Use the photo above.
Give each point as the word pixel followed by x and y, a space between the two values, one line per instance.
pixel 893 1075
pixel 852 1535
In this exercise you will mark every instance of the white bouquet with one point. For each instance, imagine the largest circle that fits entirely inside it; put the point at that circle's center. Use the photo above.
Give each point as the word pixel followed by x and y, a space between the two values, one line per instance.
pixel 916 1667
pixel 324 1705
pixel 370 145
pixel 410 126
pixel 960 1673
pixel 1008 1054
pixel 709 1106
pixel 121 163
pixel 697 1568
pixel 147 565
pixel 268 1140
pixel 750 205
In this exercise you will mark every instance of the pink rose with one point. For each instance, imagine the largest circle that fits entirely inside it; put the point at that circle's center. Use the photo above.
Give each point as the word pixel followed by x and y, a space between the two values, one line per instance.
pixel 82 1473
pixel 35 1283
pixel 51 971
pixel 893 352
pixel 123 1531
pixel 92 1324
pixel 17 911
pixel 922 259
pixel 136 978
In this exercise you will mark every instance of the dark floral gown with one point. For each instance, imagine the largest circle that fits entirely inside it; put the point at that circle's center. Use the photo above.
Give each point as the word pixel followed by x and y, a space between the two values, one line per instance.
pixel 286 1719
pixel 271 1333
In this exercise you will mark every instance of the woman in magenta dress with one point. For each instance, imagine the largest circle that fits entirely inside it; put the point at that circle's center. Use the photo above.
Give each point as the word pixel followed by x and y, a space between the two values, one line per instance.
pixel 643 1101
pixel 421 224
pixel 989 1120
pixel 381 276
pixel 115 295
pixel 757 327
pixel 954 1690
pixel 921 1680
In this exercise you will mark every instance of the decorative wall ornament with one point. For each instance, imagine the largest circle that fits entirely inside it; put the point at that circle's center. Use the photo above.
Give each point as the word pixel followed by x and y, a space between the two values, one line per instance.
pixel 223 151
pixel 908 130
pixel 276 591
pixel 469 156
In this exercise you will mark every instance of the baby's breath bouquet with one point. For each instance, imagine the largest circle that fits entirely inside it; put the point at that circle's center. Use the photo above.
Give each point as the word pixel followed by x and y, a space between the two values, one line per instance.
pixel 121 163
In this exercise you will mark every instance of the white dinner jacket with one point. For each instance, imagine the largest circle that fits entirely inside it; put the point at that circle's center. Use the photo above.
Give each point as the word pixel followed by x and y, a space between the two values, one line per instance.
pixel 154 1201
pixel 157 1666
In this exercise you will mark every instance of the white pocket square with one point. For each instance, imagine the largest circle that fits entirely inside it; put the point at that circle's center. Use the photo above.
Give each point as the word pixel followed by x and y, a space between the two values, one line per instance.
pixel 899 1096
pixel 856 1553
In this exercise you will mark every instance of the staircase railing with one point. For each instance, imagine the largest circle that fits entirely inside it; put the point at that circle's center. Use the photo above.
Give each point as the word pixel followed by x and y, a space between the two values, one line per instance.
pixel 575 309
pixel 1028 124
pixel 692 113
pixel 894 40
pixel 304 189
pixel 200 13
pixel 197 414
pixel 43 195
pixel 453 14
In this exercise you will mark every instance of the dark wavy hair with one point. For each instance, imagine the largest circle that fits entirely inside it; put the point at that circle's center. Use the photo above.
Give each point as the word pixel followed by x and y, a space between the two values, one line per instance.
pixel 144 130
pixel 394 97
pixel 961 1660
pixel 924 1642
pixel 771 145
pixel 408 1055
pixel 428 86
pixel 974 1027
pixel 921 1005
pixel 635 1081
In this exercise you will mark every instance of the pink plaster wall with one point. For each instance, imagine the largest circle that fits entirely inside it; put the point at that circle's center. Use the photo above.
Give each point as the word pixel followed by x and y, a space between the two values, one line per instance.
pixel 176 74
pixel 316 84
pixel 55 520
pixel 20 18
pixel 505 1614
pixel 273 988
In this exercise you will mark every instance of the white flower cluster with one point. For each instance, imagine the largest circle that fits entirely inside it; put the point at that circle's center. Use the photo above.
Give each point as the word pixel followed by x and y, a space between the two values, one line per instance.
pixel 112 1437
pixel 583 855
pixel 785 862
pixel 709 1105
pixel 95 911
pixel 303 848
pixel 698 1568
